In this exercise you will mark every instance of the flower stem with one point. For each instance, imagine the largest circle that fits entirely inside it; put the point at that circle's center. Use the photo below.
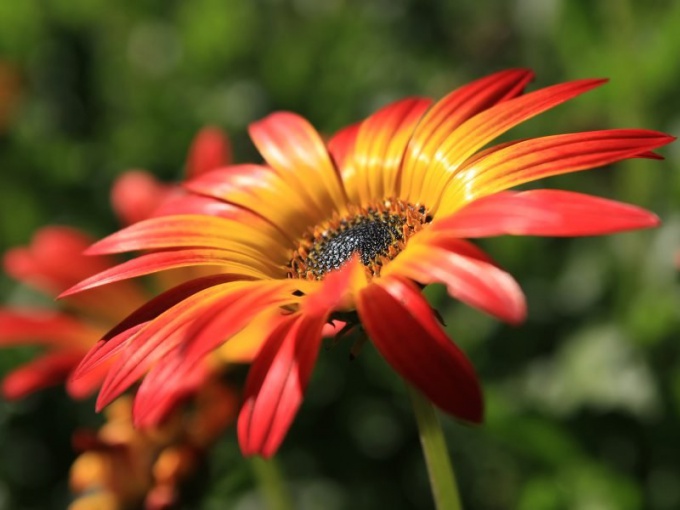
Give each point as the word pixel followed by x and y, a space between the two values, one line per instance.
pixel 439 469
pixel 272 484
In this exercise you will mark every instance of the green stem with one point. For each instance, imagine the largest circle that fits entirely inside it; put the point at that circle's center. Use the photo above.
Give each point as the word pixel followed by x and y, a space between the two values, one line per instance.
pixel 439 469
pixel 272 484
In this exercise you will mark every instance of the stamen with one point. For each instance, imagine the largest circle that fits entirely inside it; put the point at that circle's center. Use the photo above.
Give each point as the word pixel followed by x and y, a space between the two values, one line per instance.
pixel 377 234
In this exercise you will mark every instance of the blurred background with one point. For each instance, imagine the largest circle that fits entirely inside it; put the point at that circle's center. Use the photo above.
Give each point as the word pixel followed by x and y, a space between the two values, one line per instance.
pixel 583 401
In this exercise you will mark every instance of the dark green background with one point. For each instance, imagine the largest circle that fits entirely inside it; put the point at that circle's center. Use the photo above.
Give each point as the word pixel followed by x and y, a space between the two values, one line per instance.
pixel 583 400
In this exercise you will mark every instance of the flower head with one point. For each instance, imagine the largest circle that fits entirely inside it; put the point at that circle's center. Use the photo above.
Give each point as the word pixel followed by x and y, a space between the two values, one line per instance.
pixel 350 230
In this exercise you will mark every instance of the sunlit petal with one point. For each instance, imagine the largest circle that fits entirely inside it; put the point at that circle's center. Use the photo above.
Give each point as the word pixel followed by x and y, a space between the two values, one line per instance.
pixel 533 159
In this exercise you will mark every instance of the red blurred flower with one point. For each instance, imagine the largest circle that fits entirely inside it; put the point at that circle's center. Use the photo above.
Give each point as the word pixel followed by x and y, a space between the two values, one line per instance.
pixel 55 261
pixel 397 194
pixel 120 467
pixel 137 195
pixel 52 262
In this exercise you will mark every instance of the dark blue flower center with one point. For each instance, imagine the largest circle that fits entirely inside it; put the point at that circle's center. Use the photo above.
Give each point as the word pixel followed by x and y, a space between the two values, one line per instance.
pixel 369 237
pixel 377 234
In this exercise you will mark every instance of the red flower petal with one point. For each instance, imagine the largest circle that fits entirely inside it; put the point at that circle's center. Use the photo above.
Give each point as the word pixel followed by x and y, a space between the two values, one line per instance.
pixel 46 371
pixel 210 150
pixel 213 328
pixel 651 155
pixel 87 385
pixel 471 279
pixel 453 244
pixel 533 159
pixel 151 407
pixel 135 195
pixel 102 352
pixel 198 324
pixel 341 148
pixel 279 375
pixel 330 329
pixel 276 384
pixel 228 318
pixel 34 326
pixel 94 365
pixel 403 328
pixel 161 303
pixel 291 146
pixel 166 381
pixel 543 213
pixel 54 260
pixel 156 339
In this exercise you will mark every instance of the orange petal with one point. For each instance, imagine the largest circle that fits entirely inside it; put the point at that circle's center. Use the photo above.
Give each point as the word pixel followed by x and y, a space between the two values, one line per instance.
pixel 447 115
pixel 341 145
pixel 161 303
pixel 206 330
pixel 529 160
pixel 197 231
pixel 379 149
pixel 101 353
pixel 155 339
pixel 291 146
pixel 261 190
pixel 484 127
pixel 244 345
pixel 150 412
pixel 231 317
pixel 199 324
pixel 182 202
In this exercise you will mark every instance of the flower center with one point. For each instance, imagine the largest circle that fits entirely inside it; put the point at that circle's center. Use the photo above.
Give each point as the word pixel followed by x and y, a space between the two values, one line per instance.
pixel 377 234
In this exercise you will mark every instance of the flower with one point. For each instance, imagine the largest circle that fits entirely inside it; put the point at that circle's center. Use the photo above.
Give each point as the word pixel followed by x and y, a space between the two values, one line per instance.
pixel 54 261
pixel 137 195
pixel 121 466
pixel 350 230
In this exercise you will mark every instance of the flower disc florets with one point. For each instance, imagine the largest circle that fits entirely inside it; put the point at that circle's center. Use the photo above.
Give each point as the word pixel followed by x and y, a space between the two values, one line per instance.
pixel 376 233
